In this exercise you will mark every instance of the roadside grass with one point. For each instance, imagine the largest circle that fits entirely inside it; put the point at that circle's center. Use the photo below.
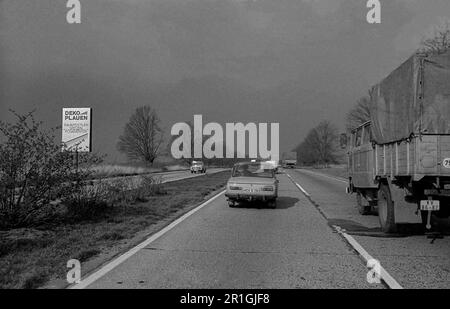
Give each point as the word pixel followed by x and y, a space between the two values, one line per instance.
pixel 31 257
pixel 117 170
pixel 334 170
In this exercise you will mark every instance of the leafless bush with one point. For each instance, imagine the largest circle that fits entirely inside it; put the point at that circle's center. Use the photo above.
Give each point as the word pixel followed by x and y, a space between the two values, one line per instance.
pixel 117 191
pixel 87 202
pixel 34 170
pixel 122 191
pixel 152 186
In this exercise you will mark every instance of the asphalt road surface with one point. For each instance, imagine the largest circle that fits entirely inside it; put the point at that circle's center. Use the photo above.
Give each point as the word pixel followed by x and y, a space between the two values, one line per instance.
pixel 291 246
pixel 414 261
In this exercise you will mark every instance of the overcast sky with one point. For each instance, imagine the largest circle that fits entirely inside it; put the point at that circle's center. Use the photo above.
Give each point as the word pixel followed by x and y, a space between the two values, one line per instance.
pixel 295 62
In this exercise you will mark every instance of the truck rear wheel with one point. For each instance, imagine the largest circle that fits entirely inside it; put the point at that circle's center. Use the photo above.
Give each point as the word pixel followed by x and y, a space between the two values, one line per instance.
pixel 272 204
pixel 363 206
pixel 386 213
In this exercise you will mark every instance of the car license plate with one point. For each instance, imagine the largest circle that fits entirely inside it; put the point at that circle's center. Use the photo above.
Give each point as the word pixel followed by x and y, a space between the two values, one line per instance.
pixel 429 205
pixel 251 190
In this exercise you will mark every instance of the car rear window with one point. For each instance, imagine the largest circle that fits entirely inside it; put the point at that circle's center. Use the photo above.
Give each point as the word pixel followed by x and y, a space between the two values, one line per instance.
pixel 253 170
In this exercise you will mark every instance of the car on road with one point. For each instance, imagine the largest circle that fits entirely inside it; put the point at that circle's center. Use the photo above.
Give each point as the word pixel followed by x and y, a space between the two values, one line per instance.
pixel 253 181
pixel 198 167
pixel 273 164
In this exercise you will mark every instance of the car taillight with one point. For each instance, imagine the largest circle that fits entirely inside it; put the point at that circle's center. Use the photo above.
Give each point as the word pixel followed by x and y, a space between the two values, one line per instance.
pixel 235 188
pixel 268 188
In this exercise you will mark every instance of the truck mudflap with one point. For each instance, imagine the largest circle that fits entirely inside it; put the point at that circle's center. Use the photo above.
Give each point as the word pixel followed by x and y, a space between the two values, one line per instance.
pixel 405 212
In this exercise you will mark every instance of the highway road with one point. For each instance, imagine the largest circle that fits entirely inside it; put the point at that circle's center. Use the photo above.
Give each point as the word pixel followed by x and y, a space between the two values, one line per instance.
pixel 413 260
pixel 291 246
pixel 295 245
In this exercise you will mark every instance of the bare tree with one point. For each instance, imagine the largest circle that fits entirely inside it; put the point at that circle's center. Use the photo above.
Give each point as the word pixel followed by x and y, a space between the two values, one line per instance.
pixel 325 138
pixel 142 136
pixel 319 146
pixel 359 114
pixel 438 40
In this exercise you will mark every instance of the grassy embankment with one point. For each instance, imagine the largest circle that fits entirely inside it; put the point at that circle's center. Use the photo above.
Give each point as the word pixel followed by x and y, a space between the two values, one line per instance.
pixel 117 170
pixel 36 257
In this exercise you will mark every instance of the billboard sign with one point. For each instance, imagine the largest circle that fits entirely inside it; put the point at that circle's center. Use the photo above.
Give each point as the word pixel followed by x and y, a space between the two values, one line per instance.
pixel 76 129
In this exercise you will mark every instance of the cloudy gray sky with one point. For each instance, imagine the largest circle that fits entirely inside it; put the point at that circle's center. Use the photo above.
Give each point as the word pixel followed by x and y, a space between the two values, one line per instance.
pixel 295 62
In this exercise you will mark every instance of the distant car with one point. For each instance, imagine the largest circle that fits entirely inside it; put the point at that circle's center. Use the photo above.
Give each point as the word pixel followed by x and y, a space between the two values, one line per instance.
pixel 273 164
pixel 198 167
pixel 254 181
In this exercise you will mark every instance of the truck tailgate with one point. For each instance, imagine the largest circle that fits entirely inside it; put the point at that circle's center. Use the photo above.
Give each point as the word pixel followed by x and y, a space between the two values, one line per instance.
pixel 433 155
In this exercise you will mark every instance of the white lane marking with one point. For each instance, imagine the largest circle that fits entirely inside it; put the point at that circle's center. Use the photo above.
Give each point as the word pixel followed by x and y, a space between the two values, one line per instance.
pixel 326 176
pixel 385 276
pixel 122 258
pixel 298 186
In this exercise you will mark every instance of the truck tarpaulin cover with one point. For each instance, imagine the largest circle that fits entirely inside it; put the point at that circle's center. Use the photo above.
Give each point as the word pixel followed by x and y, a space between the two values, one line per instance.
pixel 414 99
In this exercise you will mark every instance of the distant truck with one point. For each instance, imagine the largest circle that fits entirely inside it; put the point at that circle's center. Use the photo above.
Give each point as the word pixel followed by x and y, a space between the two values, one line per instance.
pixel 290 159
pixel 399 162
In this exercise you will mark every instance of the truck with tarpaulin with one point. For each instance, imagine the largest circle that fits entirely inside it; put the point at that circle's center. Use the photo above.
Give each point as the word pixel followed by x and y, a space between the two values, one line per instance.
pixel 290 159
pixel 399 161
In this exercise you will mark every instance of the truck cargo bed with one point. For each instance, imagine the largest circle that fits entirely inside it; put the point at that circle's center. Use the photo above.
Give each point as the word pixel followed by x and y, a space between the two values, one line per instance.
pixel 417 157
